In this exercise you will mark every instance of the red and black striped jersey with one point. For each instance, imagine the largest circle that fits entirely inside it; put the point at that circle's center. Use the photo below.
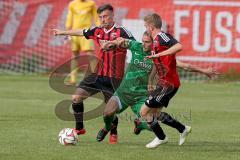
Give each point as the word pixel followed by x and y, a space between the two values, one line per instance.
pixel 166 65
pixel 111 63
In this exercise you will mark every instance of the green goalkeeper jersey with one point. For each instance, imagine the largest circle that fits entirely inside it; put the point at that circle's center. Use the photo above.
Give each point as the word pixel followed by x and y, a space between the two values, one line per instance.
pixel 134 84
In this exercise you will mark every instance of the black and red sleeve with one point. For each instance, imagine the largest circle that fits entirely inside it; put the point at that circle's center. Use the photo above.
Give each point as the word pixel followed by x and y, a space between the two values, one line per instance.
pixel 126 34
pixel 167 40
pixel 89 33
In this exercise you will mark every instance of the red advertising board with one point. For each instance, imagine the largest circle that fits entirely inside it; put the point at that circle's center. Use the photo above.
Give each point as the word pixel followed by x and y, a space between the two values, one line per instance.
pixel 208 29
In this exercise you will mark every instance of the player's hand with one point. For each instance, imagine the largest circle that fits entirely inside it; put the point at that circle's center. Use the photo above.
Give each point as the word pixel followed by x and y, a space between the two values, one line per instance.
pixel 151 57
pixel 122 43
pixel 120 40
pixel 108 45
pixel 56 32
pixel 211 72
pixel 150 88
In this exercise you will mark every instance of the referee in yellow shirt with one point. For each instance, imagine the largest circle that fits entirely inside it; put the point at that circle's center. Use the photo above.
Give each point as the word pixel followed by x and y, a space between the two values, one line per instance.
pixel 81 14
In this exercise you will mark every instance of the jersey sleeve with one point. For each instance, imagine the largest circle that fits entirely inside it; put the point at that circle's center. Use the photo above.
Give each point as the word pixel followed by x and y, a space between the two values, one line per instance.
pixel 126 34
pixel 167 40
pixel 89 33
pixel 134 45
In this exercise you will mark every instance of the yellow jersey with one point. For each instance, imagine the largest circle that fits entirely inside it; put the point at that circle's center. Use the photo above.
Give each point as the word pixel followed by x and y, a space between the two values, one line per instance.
pixel 81 14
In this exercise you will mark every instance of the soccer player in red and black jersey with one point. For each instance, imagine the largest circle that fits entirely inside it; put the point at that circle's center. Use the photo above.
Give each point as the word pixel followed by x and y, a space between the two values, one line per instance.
pixel 164 50
pixel 110 68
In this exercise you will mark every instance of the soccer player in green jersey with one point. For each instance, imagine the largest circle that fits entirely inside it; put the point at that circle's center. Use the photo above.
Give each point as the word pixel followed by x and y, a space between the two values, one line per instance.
pixel 138 80
pixel 133 88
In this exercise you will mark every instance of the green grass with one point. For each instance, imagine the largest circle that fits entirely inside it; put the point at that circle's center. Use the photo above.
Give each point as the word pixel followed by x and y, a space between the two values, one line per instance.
pixel 29 126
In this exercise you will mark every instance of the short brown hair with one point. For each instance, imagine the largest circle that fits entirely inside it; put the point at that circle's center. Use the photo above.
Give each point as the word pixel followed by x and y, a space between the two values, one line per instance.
pixel 146 33
pixel 104 7
pixel 154 19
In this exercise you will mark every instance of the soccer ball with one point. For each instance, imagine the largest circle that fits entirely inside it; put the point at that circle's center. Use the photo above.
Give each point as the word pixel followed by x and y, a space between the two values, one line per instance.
pixel 68 136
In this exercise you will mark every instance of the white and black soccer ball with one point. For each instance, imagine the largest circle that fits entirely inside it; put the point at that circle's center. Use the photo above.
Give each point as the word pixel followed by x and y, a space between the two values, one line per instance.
pixel 68 136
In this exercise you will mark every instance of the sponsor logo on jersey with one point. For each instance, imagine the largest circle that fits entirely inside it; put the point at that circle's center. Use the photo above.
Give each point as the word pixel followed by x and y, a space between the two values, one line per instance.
pixel 136 53
pixel 142 64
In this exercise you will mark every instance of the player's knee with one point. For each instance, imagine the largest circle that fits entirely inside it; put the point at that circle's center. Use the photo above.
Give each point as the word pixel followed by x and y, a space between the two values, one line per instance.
pixel 111 108
pixel 76 99
pixel 108 113
pixel 143 112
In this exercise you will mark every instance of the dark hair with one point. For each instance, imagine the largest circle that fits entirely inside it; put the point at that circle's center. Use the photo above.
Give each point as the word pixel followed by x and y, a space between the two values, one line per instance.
pixel 104 7
pixel 154 19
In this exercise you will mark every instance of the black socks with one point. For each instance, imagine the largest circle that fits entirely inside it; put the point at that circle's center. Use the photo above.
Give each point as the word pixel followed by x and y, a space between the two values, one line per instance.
pixel 165 118
pixel 154 125
pixel 114 125
pixel 78 109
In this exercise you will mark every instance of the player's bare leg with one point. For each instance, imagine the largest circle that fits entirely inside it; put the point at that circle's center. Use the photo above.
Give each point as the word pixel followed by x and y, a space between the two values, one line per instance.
pixel 145 110
pixel 78 108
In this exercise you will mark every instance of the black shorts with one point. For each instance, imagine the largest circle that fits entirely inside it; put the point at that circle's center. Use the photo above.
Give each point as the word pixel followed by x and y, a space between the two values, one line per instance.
pixel 95 83
pixel 161 96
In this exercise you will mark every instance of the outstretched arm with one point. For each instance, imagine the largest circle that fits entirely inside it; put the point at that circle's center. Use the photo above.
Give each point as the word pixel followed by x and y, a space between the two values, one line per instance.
pixel 118 43
pixel 77 32
pixel 172 50
pixel 210 72
pixel 151 78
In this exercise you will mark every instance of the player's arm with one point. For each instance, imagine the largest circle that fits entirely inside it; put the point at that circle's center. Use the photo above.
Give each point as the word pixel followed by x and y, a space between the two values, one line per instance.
pixel 169 42
pixel 77 32
pixel 170 51
pixel 118 43
pixel 126 34
pixel 151 84
pixel 209 72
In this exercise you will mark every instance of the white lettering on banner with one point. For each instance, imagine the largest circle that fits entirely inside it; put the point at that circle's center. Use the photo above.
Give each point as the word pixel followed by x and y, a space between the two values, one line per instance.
pixel 224 31
pixel 58 41
pixel 237 42
pixel 196 31
pixel 11 27
pixel 219 33
pixel 38 25
pixel 178 29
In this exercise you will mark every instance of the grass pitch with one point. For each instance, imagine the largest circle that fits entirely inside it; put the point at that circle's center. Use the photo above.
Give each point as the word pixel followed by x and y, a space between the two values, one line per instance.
pixel 29 126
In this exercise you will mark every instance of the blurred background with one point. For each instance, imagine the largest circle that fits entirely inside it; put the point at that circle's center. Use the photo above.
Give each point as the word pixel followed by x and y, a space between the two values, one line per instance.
pixel 210 33
pixel 208 30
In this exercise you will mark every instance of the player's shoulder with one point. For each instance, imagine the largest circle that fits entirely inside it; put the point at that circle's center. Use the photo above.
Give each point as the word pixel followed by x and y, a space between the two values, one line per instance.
pixel 163 36
pixel 91 29
pixel 135 43
pixel 124 30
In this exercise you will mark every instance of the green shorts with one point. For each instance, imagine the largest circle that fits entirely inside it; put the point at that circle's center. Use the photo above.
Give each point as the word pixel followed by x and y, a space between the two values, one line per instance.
pixel 136 107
